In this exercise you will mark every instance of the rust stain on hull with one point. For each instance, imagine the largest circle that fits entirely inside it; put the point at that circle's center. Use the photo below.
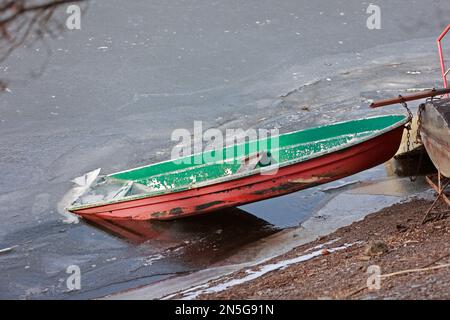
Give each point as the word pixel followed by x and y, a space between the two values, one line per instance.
pixel 208 205
pixel 176 211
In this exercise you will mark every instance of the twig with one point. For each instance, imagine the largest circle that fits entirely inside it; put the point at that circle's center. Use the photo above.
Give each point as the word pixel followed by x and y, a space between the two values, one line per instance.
pixel 388 275
pixel 360 289
pixel 437 260
pixel 414 270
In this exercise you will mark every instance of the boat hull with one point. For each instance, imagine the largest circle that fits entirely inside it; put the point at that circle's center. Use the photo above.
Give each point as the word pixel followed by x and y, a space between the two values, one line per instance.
pixel 435 133
pixel 288 179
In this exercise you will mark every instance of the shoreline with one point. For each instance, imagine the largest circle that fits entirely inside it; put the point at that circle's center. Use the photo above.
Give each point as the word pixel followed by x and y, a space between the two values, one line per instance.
pixel 321 229
pixel 411 259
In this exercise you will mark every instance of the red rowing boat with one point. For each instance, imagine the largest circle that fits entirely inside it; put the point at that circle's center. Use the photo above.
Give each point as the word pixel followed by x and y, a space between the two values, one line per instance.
pixel 306 158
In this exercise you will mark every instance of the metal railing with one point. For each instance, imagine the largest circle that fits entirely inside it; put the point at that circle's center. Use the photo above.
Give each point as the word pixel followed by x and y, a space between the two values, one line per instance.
pixel 441 56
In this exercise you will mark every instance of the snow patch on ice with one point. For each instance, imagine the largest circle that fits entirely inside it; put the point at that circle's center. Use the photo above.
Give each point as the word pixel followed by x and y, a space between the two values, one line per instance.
pixel 340 184
pixel 320 246
pixel 148 261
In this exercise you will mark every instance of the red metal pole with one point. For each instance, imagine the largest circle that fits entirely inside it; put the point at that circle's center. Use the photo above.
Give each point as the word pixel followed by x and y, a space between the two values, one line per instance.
pixel 441 55
pixel 416 96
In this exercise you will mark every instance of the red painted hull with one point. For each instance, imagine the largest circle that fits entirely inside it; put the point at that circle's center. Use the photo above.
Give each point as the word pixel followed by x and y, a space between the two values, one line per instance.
pixel 253 188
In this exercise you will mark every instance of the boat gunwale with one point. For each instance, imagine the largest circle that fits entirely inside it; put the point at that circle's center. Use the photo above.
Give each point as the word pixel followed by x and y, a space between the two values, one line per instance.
pixel 237 176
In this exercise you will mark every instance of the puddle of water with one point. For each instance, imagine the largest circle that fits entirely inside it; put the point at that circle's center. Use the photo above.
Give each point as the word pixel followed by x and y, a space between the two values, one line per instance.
pixel 293 209
pixel 289 210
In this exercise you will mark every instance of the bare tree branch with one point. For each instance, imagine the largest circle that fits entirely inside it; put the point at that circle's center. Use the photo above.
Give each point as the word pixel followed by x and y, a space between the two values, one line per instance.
pixel 28 21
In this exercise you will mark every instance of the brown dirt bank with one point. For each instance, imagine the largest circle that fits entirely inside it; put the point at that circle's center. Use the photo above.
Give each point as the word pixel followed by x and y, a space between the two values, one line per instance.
pixel 393 239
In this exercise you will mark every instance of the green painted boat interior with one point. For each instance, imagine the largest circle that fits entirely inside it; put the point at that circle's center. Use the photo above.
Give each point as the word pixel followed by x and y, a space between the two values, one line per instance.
pixel 285 149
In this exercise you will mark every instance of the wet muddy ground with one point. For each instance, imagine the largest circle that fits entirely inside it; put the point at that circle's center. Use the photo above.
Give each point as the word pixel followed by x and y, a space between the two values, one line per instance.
pixel 111 95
